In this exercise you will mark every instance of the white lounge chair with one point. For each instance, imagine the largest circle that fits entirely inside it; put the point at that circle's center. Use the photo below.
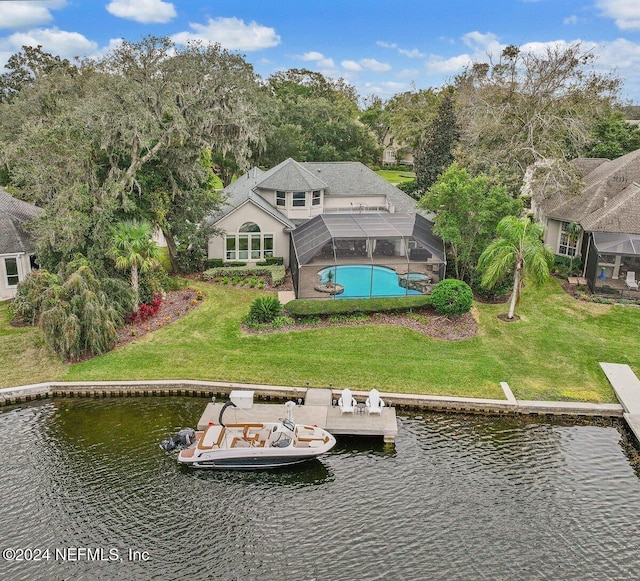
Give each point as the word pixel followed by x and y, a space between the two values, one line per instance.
pixel 374 403
pixel 347 402
pixel 631 282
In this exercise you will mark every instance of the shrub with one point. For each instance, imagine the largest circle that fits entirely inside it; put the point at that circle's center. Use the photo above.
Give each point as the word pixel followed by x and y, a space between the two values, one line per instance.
pixel 564 266
pixel 305 307
pixel 265 309
pixel 27 305
pixel 276 272
pixel 452 297
pixel 271 260
pixel 76 316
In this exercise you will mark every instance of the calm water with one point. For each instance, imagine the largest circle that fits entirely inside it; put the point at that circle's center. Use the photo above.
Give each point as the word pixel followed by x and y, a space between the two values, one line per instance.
pixel 361 280
pixel 458 498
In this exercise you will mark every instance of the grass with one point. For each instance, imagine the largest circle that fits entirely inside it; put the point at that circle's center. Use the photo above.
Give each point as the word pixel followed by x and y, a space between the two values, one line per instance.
pixel 552 353
pixel 396 176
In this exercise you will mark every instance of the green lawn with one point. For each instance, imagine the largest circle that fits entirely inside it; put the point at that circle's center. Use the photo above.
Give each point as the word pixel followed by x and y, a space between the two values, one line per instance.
pixel 551 353
pixel 396 176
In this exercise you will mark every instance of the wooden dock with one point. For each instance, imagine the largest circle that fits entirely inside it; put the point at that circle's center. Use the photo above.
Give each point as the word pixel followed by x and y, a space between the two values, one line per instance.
pixel 316 410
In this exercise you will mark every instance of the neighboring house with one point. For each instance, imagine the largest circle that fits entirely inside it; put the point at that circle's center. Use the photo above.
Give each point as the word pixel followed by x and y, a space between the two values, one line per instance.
pixel 608 210
pixel 394 153
pixel 319 214
pixel 16 246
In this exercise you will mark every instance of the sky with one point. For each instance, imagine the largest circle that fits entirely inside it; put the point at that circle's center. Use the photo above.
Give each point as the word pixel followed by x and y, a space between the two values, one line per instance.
pixel 380 47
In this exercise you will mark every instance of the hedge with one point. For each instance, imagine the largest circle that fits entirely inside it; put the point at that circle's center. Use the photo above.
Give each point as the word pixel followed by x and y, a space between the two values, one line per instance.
pixel 304 307
pixel 276 272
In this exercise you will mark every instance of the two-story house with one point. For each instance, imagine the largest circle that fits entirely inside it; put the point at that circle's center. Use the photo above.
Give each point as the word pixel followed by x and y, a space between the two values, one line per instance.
pixel 349 214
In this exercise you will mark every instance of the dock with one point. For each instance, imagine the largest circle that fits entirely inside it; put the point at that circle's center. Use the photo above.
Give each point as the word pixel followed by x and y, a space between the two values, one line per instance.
pixel 627 387
pixel 317 409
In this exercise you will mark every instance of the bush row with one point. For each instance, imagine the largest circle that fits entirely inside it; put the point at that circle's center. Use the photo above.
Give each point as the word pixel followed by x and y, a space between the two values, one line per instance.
pixel 306 307
pixel 276 272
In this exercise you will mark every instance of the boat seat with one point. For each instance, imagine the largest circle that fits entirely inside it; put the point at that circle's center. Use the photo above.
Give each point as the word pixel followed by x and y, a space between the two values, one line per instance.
pixel 239 442
pixel 213 436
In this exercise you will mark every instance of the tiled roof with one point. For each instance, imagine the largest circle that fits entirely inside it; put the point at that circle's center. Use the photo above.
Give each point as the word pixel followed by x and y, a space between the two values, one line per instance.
pixel 14 214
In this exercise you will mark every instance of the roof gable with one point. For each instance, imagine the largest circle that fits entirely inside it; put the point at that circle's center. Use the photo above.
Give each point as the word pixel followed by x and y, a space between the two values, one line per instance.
pixel 291 176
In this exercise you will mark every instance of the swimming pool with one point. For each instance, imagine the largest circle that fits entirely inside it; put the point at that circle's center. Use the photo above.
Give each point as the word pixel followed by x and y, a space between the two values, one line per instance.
pixel 363 281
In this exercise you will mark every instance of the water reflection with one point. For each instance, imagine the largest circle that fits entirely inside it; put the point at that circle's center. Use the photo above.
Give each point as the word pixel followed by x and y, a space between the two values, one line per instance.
pixel 458 497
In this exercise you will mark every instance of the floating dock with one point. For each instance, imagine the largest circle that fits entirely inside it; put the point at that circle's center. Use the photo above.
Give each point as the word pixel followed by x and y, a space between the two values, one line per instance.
pixel 318 410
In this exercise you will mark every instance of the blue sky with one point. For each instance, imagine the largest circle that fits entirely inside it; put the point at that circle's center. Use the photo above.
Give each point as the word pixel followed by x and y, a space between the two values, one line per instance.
pixel 381 47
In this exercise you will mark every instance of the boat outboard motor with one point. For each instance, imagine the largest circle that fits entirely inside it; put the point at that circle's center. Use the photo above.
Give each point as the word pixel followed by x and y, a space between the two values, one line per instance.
pixel 183 439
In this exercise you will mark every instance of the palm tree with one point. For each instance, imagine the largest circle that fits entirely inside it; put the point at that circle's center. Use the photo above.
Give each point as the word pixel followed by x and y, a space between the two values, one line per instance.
pixel 573 232
pixel 519 248
pixel 133 248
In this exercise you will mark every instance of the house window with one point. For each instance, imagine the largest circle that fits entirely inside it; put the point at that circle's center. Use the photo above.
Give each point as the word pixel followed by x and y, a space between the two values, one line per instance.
pixel 299 199
pixel 566 247
pixel 249 243
pixel 391 155
pixel 281 199
pixel 11 268
pixel 315 200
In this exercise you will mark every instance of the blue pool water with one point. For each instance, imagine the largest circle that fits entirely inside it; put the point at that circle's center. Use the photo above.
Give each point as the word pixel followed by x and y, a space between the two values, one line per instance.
pixel 363 281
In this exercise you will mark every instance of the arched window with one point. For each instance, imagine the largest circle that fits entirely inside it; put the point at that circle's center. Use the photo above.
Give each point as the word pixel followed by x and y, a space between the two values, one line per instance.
pixel 249 227
pixel 249 243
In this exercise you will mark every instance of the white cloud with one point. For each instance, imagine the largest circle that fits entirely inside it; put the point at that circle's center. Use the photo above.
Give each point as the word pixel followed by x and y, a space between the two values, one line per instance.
pixel 312 56
pixel 437 65
pixel 385 89
pixel 482 44
pixel 620 54
pixel 27 14
pixel 145 11
pixel 232 34
pixel 408 74
pixel 57 42
pixel 374 65
pixel 352 66
pixel 626 13
pixel 573 19
pixel 414 53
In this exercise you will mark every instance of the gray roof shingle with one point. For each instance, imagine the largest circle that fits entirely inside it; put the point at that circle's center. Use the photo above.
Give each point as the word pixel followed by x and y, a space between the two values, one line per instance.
pixel 345 178
pixel 14 214
pixel 609 200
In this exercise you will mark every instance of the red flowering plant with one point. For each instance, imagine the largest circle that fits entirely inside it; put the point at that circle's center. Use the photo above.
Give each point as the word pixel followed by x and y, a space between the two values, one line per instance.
pixel 146 311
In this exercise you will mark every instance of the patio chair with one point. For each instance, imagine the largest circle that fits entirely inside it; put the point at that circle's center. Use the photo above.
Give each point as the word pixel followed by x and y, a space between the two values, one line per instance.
pixel 631 282
pixel 374 403
pixel 347 402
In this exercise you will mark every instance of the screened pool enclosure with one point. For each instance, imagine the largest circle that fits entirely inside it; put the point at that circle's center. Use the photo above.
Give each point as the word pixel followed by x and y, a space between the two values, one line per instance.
pixel 610 258
pixel 365 255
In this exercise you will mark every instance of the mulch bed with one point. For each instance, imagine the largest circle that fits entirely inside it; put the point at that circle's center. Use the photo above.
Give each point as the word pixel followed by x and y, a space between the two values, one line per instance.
pixel 425 321
pixel 175 305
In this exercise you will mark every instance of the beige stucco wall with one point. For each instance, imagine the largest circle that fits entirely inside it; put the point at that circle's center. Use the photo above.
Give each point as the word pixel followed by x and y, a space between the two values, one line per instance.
pixel 248 212
pixel 552 236
pixel 24 268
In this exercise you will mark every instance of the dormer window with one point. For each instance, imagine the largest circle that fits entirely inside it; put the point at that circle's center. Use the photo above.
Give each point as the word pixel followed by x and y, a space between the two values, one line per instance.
pixel 315 200
pixel 281 199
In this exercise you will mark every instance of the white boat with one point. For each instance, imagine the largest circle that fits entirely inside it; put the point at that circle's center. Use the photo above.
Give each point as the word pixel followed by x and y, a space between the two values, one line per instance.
pixel 250 446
